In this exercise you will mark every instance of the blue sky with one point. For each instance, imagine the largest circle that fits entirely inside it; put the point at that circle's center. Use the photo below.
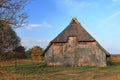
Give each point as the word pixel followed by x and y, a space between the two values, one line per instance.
pixel 47 18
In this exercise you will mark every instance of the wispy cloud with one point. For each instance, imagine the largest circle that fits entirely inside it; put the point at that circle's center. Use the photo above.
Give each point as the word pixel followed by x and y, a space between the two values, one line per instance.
pixel 37 25
pixel 116 1
pixel 29 43
pixel 114 15
pixel 108 19
pixel 113 50
pixel 73 6
pixel 118 49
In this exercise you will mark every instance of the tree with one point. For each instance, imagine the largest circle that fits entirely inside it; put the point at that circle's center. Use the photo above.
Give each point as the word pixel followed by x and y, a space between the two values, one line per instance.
pixel 35 53
pixel 11 16
pixel 19 52
pixel 8 38
pixel 12 12
pixel 9 41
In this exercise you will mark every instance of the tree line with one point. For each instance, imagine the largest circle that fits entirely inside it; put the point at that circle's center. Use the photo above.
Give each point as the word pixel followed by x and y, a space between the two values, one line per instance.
pixel 12 16
pixel 11 48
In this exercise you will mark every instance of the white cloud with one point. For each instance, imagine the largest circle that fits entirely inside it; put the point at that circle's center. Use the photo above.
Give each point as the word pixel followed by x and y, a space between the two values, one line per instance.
pixel 34 25
pixel 29 43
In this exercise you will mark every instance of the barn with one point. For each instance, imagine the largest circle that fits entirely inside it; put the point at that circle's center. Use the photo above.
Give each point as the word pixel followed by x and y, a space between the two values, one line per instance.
pixel 74 46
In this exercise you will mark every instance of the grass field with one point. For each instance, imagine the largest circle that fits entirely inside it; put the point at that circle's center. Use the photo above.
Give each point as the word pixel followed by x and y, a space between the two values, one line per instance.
pixel 39 71
pixel 115 57
pixel 28 70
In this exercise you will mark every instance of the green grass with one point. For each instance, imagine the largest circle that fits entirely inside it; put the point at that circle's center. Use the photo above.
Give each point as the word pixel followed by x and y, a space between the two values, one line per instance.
pixel 39 71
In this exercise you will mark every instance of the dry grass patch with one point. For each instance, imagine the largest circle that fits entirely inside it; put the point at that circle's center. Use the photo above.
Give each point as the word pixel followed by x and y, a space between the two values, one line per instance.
pixel 39 71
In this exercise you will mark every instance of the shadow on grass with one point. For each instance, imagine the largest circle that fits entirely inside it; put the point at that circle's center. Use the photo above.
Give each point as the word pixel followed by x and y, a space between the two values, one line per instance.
pixel 43 67
pixel 113 63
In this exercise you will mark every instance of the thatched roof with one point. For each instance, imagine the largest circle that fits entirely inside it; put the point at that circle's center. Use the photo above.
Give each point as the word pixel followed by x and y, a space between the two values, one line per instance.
pixel 74 29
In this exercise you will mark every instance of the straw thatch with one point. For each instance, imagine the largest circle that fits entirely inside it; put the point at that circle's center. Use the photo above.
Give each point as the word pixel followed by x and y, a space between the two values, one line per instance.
pixel 76 30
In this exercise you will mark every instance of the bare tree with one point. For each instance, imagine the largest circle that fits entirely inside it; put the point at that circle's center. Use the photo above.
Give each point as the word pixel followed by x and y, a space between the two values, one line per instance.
pixel 12 12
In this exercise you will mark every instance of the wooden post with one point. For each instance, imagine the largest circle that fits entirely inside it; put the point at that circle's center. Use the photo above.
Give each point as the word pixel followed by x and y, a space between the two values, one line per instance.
pixel 15 63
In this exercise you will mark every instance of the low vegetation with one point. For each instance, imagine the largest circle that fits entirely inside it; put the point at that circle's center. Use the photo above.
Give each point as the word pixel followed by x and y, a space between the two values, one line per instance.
pixel 30 70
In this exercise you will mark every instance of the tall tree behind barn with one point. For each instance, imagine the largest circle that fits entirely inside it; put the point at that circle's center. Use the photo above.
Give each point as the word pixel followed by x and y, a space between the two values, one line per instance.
pixel 74 46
